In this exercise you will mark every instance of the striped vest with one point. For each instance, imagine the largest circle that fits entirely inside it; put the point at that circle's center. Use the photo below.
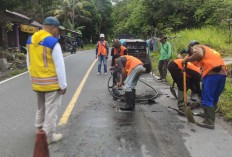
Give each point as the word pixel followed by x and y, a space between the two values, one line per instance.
pixel 42 68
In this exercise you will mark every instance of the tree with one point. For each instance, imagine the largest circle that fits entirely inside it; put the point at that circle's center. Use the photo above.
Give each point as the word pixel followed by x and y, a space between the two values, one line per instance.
pixel 22 6
pixel 144 16
pixel 64 12
pixel 104 8
pixel 10 5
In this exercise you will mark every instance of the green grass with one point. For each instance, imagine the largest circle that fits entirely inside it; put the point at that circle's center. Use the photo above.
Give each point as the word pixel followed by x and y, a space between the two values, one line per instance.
pixel 89 46
pixel 226 100
pixel 215 36
pixel 16 72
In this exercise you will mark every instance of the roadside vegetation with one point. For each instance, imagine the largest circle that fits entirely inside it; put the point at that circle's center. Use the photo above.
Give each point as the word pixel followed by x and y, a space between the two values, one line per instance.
pixel 89 46
pixel 212 35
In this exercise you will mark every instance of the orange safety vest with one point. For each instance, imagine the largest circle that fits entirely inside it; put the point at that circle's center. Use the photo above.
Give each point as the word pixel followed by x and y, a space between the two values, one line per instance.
pixel 102 48
pixel 210 60
pixel 189 66
pixel 121 50
pixel 131 63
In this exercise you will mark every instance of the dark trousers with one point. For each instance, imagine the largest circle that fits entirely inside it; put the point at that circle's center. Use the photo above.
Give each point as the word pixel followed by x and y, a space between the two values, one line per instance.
pixel 116 77
pixel 177 75
pixel 163 64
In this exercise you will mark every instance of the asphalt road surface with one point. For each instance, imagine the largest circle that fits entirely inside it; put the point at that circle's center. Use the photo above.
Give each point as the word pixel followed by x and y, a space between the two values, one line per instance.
pixel 94 127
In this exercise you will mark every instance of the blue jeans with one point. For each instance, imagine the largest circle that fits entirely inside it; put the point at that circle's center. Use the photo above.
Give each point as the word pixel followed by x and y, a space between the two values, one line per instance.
pixel 133 77
pixel 101 59
pixel 212 87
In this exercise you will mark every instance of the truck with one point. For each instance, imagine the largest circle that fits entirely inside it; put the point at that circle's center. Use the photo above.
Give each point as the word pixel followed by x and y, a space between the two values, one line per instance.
pixel 137 48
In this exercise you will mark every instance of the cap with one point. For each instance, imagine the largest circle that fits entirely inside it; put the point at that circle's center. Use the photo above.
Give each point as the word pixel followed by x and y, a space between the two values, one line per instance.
pixel 52 21
pixel 162 37
pixel 192 43
pixel 102 35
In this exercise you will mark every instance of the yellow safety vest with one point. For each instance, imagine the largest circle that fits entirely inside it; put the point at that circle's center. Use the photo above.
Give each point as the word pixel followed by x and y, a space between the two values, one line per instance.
pixel 42 68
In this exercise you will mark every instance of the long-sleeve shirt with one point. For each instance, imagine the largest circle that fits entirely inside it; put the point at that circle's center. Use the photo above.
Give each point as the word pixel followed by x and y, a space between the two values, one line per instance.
pixel 165 51
pixel 58 60
pixel 107 47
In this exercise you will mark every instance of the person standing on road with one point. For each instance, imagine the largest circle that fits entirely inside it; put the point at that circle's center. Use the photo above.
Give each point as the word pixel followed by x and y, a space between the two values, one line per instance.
pixel 117 49
pixel 165 55
pixel 131 69
pixel 47 71
pixel 82 44
pixel 192 81
pixel 78 40
pixel 102 51
pixel 213 78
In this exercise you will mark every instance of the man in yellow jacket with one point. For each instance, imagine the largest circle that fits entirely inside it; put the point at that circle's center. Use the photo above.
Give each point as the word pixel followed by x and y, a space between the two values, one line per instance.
pixel 46 66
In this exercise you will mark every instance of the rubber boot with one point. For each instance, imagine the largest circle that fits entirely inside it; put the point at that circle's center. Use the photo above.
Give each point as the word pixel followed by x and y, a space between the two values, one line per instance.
pixel 209 113
pixel 134 91
pixel 130 102
pixel 180 100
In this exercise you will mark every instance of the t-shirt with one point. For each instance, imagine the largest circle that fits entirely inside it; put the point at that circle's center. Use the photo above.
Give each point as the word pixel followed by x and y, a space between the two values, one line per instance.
pixel 165 51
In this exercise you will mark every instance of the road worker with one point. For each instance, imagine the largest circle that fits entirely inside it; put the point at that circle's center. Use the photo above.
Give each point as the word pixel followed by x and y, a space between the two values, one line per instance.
pixel 213 78
pixel 102 51
pixel 131 69
pixel 115 50
pixel 179 56
pixel 192 80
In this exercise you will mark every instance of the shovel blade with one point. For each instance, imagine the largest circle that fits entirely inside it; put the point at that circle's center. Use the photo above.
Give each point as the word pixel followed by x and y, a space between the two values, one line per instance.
pixel 189 115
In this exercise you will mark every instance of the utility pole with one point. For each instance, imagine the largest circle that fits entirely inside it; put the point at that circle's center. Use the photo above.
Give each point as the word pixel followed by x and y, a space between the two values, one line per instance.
pixel 73 17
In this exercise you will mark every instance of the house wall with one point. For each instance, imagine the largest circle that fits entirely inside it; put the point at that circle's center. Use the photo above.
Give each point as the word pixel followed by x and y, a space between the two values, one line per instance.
pixel 11 39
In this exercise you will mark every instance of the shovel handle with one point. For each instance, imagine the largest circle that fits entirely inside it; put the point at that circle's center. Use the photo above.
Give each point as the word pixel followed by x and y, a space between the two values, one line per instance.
pixel 184 66
pixel 185 90
pixel 184 82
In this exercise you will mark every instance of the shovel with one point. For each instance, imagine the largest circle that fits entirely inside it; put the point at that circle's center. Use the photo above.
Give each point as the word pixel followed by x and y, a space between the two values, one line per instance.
pixel 173 90
pixel 183 114
pixel 187 109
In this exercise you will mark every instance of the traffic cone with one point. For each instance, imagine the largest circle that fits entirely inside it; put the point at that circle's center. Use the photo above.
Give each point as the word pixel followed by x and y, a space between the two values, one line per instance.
pixel 41 145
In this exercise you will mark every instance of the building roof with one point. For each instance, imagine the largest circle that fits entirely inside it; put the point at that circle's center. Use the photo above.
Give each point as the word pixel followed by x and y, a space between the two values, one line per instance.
pixel 20 18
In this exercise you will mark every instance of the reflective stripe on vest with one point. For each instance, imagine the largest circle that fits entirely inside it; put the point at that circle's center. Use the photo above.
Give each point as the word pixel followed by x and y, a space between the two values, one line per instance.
pixel 131 63
pixel 210 60
pixel 42 68
pixel 122 49
pixel 102 48
pixel 44 81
